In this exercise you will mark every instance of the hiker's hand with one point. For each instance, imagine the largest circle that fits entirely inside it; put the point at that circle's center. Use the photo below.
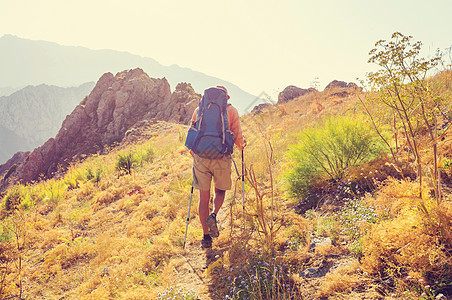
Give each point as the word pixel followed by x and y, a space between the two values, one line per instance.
pixel 243 144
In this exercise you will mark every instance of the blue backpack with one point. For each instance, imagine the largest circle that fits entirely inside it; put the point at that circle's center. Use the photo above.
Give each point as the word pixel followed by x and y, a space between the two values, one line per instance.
pixel 209 136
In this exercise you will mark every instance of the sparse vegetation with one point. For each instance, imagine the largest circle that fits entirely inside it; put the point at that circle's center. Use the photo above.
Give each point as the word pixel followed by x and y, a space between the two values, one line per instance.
pixel 262 277
pixel 357 228
pixel 401 84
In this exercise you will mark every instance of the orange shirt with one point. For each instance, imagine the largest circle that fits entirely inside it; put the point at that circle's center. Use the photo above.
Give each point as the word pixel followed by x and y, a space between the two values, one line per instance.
pixel 234 124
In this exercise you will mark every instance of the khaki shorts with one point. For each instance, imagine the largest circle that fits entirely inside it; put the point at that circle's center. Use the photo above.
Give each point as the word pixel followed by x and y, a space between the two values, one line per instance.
pixel 204 169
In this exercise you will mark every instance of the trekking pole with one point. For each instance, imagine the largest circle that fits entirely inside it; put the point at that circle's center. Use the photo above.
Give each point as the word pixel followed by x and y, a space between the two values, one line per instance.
pixel 188 216
pixel 243 190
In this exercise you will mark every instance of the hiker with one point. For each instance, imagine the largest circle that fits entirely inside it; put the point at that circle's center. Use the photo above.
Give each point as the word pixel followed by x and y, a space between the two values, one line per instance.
pixel 212 158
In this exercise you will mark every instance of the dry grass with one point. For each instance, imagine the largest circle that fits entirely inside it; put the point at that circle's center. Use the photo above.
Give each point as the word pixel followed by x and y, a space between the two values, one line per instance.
pixel 341 280
pixel 415 240
pixel 106 238
pixel 94 234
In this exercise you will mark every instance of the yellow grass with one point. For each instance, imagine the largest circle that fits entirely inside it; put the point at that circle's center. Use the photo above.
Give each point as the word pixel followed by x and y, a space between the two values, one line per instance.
pixel 120 236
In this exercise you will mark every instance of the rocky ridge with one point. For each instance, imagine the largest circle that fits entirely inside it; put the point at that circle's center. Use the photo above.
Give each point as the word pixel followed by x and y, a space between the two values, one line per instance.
pixel 114 106
pixel 336 88
pixel 341 89
pixel 341 84
pixel 291 92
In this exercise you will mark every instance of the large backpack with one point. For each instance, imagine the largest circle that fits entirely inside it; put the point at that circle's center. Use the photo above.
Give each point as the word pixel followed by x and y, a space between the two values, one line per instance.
pixel 209 136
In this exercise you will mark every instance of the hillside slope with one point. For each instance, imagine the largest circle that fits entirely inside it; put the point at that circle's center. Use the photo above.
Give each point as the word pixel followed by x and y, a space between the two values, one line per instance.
pixel 107 229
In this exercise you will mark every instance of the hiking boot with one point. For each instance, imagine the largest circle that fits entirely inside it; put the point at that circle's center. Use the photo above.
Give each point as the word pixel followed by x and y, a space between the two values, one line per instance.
pixel 212 224
pixel 206 242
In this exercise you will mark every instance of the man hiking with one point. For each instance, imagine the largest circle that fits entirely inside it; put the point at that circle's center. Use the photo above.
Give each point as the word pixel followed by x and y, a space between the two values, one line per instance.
pixel 212 137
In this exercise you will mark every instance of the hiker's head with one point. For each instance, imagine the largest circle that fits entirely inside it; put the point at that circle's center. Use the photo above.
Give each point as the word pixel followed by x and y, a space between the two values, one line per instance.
pixel 223 88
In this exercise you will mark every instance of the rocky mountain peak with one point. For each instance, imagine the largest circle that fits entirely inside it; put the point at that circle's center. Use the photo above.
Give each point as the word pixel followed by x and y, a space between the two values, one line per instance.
pixel 183 102
pixel 116 103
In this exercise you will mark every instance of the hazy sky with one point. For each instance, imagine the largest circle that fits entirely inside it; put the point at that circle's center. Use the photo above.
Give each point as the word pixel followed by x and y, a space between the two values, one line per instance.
pixel 260 45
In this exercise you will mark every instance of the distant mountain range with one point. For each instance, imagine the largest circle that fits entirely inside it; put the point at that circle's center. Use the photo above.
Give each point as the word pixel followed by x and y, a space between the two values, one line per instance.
pixel 32 115
pixel 28 62
pixel 42 82
pixel 11 143
pixel 7 90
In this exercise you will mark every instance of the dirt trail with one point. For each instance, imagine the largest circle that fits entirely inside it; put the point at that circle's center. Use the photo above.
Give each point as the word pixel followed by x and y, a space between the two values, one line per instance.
pixel 191 273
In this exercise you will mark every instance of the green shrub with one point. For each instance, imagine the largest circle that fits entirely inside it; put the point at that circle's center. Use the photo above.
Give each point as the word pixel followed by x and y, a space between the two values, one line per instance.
pixel 12 199
pixel 72 178
pixel 94 174
pixel 5 236
pixel 89 174
pixel 55 191
pixel 126 162
pixel 328 150
pixel 447 164
pixel 302 178
pixel 144 154
pixel 17 196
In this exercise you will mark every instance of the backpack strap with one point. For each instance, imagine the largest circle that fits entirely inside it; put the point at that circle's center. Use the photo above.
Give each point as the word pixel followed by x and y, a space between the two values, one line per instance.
pixel 223 129
pixel 201 115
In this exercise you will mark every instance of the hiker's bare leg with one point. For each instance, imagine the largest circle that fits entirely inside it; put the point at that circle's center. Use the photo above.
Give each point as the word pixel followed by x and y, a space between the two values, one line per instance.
pixel 203 209
pixel 219 199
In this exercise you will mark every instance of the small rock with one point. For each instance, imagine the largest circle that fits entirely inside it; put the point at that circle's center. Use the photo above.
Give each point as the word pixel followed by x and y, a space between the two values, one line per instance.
pixel 440 297
pixel 258 109
pixel 318 242
pixel 309 272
